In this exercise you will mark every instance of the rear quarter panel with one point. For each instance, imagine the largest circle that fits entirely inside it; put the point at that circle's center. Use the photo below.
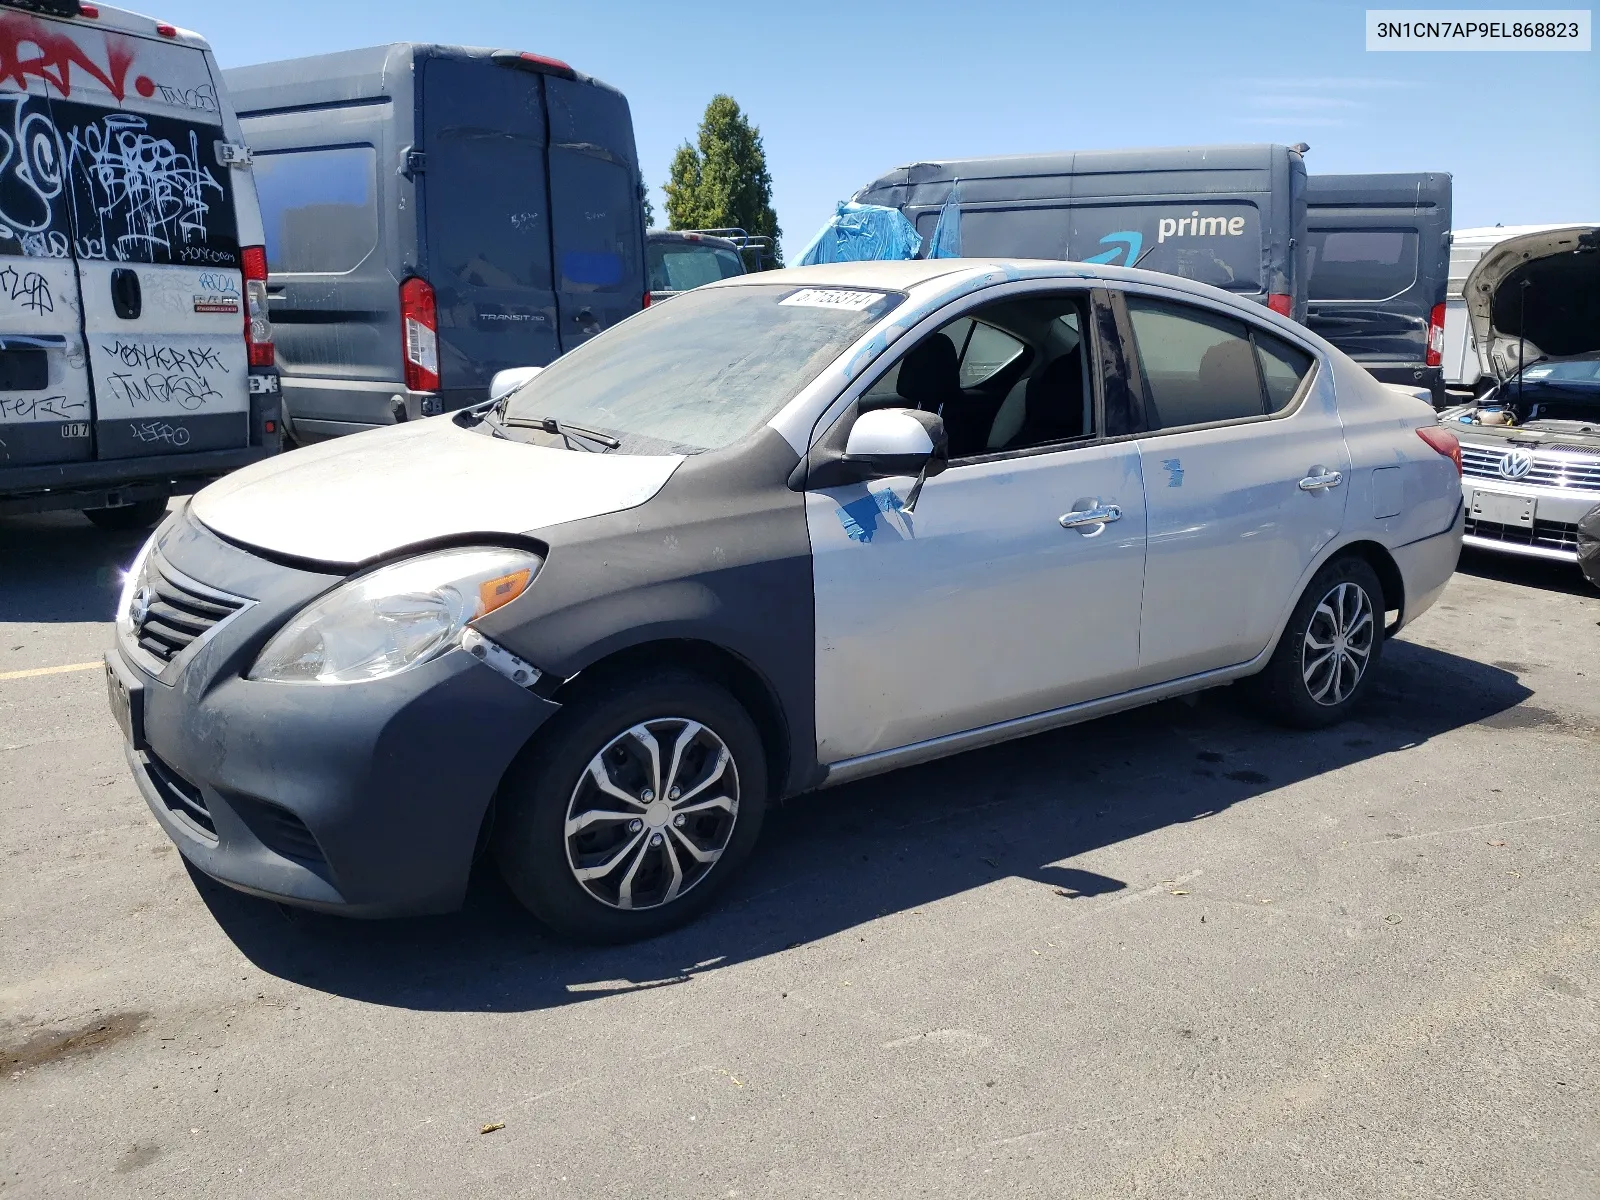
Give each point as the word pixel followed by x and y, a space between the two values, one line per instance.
pixel 1401 489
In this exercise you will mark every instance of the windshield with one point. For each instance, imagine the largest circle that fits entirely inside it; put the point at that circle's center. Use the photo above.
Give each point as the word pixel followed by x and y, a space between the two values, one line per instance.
pixel 1581 371
pixel 704 369
pixel 678 266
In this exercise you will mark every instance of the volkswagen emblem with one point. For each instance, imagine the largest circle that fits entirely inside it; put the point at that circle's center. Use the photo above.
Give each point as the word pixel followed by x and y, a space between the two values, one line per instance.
pixel 1516 464
pixel 139 609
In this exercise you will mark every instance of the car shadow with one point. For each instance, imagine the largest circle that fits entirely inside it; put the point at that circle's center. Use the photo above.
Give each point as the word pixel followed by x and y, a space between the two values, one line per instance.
pixel 837 859
pixel 1542 573
pixel 58 568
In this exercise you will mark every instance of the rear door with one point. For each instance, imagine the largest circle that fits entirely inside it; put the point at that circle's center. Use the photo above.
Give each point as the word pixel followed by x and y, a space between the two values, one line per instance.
pixel 487 219
pixel 598 216
pixel 136 142
pixel 1378 253
pixel 46 409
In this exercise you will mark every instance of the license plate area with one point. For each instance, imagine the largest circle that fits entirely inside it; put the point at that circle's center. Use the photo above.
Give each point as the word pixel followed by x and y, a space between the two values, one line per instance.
pixel 1503 508
pixel 127 705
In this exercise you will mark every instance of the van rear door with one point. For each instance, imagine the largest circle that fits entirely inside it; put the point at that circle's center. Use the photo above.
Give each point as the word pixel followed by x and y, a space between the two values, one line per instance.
pixel 599 219
pixel 487 218
pixel 46 409
pixel 1379 252
pixel 157 246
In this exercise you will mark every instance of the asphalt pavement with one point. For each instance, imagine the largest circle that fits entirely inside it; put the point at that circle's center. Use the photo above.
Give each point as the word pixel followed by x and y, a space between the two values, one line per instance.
pixel 1172 953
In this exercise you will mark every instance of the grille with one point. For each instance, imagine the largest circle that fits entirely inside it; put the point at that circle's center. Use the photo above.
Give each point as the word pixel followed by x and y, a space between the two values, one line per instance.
pixel 180 611
pixel 280 830
pixel 1579 472
pixel 181 797
pixel 1545 535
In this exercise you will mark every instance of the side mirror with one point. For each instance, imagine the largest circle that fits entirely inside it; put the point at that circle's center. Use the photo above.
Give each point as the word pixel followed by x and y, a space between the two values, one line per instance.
pixel 896 441
pixel 507 381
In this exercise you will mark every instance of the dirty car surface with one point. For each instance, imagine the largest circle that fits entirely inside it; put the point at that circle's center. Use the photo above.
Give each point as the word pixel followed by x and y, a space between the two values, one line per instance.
pixel 789 530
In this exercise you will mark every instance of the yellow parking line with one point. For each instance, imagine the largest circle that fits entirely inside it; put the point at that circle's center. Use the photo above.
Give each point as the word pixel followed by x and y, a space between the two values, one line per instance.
pixel 29 674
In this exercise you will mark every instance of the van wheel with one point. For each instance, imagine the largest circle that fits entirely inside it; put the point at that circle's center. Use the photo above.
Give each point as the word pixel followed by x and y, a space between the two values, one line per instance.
pixel 632 808
pixel 1329 649
pixel 129 518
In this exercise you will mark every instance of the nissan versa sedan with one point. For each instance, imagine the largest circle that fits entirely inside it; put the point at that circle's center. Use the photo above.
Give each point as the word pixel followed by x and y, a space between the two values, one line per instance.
pixel 792 529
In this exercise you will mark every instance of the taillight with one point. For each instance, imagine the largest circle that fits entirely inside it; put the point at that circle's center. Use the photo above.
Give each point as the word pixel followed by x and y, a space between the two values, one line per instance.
pixel 1435 354
pixel 646 303
pixel 419 320
pixel 1443 441
pixel 257 319
pixel 1278 302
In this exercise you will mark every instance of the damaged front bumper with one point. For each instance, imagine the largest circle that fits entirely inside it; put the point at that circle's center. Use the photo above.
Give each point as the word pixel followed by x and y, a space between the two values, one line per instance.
pixel 367 799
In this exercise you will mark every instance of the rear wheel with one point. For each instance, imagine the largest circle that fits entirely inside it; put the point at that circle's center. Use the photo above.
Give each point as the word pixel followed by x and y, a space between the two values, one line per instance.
pixel 1334 638
pixel 632 807
pixel 129 518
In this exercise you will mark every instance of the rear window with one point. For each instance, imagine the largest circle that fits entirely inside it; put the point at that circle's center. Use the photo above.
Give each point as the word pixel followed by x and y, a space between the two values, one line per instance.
pixel 319 207
pixel 678 266
pixel 1361 264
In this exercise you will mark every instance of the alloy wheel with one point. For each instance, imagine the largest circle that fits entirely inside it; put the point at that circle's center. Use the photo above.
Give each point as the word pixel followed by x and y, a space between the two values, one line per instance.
pixel 652 813
pixel 1338 644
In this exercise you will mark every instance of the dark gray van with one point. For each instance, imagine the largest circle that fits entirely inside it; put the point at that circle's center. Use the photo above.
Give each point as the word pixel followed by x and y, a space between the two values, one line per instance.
pixel 1378 250
pixel 435 214
pixel 1223 215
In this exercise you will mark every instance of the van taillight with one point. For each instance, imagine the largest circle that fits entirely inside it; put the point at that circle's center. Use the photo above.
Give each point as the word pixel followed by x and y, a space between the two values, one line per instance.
pixel 1435 354
pixel 419 322
pixel 1278 302
pixel 257 318
pixel 1443 441
pixel 646 303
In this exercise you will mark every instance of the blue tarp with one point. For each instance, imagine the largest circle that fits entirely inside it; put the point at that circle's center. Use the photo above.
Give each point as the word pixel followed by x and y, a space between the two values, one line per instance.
pixel 863 233
pixel 946 241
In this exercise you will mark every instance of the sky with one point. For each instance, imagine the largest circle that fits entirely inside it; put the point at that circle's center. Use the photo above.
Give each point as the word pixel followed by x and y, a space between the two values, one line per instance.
pixel 844 92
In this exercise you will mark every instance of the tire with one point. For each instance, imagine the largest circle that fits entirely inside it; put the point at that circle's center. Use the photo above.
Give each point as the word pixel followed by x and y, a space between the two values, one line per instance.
pixel 129 518
pixel 1298 688
pixel 629 891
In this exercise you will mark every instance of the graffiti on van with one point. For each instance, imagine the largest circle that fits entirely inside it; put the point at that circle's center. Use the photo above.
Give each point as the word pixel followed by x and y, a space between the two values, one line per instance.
pixel 42 408
pixel 166 376
pixel 123 190
pixel 29 291
pixel 55 55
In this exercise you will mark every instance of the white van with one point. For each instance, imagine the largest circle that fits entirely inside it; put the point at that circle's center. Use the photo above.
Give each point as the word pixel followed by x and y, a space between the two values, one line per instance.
pixel 1464 370
pixel 136 356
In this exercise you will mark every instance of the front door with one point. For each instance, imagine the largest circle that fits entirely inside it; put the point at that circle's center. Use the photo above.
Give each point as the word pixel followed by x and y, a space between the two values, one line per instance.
pixel 1245 469
pixel 999 596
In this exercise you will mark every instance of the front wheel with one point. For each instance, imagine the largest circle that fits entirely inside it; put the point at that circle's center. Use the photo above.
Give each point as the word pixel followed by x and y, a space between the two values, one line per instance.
pixel 632 807
pixel 1323 662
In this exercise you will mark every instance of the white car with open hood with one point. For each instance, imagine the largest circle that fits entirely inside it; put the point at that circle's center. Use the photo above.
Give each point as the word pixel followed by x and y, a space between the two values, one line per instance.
pixel 1530 446
pixel 787 530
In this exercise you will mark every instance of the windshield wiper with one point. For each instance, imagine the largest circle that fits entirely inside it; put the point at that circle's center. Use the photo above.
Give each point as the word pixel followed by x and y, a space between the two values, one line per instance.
pixel 561 429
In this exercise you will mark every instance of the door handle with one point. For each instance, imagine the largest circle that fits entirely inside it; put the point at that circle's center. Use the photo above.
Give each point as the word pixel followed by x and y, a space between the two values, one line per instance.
pixel 126 300
pixel 1320 478
pixel 1100 514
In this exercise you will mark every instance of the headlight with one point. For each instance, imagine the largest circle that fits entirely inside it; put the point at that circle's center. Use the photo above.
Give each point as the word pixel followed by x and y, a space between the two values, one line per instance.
pixel 394 618
pixel 136 578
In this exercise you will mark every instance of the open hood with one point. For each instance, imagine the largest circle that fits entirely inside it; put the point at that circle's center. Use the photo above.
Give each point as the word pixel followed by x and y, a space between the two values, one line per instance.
pixel 1557 313
pixel 355 499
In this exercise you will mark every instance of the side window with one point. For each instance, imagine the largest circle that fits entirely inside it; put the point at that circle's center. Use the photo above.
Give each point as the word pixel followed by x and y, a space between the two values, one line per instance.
pixel 319 207
pixel 1009 376
pixel 1282 368
pixel 1198 366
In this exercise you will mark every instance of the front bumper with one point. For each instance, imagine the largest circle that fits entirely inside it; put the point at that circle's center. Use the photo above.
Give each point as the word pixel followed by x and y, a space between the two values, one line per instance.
pixel 1549 530
pixel 365 799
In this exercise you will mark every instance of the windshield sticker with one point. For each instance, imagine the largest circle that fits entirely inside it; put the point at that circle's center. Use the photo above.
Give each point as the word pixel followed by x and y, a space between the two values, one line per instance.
pixel 843 299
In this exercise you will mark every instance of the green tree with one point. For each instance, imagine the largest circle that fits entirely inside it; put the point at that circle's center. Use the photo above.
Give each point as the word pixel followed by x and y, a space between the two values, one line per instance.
pixel 723 180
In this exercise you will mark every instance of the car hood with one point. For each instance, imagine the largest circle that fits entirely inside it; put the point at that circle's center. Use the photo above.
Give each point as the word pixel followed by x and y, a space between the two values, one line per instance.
pixel 364 497
pixel 1557 314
